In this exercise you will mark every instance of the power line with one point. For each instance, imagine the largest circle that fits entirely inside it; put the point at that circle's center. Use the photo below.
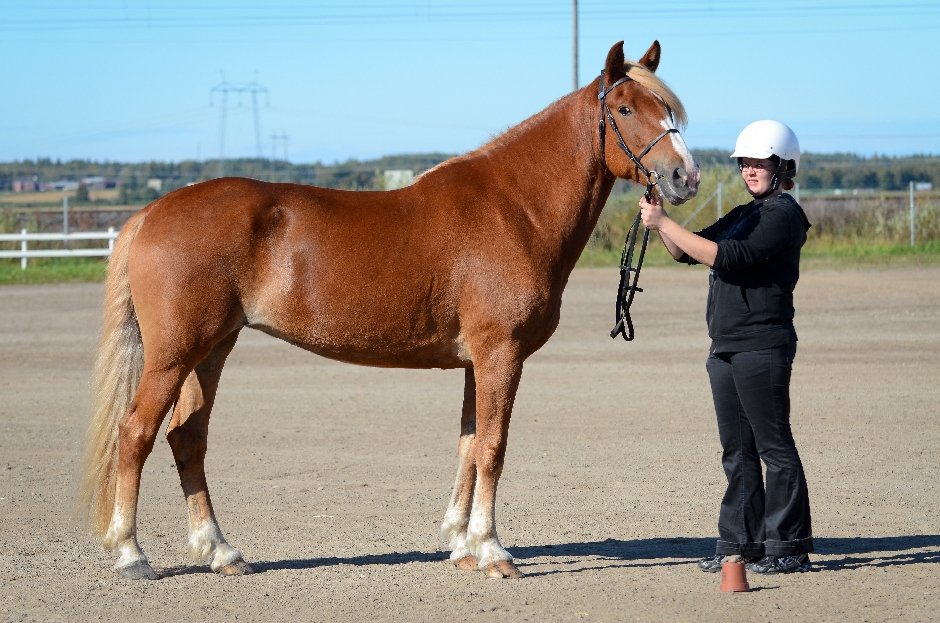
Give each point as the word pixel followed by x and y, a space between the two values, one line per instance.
pixel 462 13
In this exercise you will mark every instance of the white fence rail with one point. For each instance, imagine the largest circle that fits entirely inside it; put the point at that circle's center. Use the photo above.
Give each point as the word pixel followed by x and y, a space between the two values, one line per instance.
pixel 25 237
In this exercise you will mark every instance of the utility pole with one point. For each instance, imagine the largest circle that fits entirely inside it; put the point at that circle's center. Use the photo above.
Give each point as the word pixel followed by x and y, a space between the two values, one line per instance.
pixel 575 22
pixel 224 88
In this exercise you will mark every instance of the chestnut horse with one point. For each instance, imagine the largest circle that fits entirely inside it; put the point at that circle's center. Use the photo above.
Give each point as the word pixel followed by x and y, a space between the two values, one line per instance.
pixel 463 269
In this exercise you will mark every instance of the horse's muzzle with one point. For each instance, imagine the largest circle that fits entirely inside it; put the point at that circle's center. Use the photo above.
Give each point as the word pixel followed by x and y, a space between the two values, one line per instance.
pixel 680 185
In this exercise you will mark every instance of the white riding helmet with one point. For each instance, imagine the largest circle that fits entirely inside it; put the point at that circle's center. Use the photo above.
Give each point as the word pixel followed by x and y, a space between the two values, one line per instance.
pixel 763 139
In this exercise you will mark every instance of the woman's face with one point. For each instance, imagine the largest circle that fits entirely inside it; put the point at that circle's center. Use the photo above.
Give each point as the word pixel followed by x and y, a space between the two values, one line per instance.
pixel 757 174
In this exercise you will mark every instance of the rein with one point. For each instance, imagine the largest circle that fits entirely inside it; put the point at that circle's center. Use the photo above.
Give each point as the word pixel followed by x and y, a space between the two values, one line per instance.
pixel 628 289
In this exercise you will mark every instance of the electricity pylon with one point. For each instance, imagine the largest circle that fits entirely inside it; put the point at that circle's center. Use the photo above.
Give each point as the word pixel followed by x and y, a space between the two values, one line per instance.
pixel 225 87
pixel 275 137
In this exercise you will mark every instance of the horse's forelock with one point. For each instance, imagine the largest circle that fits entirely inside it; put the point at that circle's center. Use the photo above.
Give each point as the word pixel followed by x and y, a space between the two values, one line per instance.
pixel 651 81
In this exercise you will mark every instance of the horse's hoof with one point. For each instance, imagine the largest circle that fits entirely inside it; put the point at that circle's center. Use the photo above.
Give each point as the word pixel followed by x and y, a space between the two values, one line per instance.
pixel 502 569
pixel 138 571
pixel 236 567
pixel 466 563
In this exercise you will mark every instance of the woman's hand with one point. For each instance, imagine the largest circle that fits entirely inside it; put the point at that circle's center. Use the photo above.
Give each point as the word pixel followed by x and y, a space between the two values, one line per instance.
pixel 652 212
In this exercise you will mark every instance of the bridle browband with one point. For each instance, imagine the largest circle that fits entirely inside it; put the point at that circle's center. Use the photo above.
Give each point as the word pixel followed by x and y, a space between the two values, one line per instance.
pixel 627 290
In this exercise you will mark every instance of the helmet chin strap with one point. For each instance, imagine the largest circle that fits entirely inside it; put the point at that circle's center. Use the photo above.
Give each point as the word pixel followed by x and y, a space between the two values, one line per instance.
pixel 774 184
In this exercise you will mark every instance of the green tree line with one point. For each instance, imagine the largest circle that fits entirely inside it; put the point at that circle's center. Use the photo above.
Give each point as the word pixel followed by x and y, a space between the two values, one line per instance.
pixel 132 178
pixel 817 171
pixel 849 171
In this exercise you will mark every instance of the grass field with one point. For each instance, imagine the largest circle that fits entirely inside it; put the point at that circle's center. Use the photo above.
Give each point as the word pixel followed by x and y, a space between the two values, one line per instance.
pixel 52 270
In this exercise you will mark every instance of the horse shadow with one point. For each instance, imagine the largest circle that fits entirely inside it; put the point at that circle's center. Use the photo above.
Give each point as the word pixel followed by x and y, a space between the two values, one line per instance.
pixel 850 553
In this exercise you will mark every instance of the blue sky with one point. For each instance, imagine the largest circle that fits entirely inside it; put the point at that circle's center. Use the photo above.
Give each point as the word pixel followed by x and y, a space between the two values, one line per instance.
pixel 130 80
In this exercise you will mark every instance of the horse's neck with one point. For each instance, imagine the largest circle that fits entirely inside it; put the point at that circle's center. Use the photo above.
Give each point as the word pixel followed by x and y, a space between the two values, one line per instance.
pixel 556 177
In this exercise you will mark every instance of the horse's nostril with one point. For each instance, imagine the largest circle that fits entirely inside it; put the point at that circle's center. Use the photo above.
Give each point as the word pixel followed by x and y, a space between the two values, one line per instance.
pixel 679 177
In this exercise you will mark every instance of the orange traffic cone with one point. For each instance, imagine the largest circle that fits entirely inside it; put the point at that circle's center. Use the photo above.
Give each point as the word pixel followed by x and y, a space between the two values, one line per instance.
pixel 734 578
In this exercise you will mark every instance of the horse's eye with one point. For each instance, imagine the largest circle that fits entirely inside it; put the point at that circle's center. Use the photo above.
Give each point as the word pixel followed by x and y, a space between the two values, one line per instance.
pixel 623 110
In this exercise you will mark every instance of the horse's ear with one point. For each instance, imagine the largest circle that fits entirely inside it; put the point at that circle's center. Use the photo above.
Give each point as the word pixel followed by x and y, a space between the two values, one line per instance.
pixel 650 60
pixel 613 69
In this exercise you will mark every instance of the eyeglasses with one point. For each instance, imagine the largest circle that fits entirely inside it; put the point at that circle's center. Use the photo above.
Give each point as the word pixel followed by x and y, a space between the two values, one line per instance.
pixel 757 166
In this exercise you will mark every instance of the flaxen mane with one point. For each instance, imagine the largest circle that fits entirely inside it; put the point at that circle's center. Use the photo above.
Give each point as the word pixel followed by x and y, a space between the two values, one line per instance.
pixel 651 81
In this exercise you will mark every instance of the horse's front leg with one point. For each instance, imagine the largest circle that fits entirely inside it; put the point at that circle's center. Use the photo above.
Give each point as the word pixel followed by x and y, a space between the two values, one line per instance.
pixel 497 380
pixel 457 517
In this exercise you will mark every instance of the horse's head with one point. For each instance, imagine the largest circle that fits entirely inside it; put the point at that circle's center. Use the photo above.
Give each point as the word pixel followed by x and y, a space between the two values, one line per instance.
pixel 637 107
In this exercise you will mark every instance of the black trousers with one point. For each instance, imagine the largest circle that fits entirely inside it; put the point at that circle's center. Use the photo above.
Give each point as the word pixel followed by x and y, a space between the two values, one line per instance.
pixel 752 400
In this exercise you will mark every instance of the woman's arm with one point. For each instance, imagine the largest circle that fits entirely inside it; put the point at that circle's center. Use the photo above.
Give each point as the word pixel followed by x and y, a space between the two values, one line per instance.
pixel 671 246
pixel 677 239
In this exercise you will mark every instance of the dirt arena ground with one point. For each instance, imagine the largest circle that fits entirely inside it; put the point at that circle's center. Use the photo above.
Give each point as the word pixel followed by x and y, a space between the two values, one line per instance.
pixel 333 479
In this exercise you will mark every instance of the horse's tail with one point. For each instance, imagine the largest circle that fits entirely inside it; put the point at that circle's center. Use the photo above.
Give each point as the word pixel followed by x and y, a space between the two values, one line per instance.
pixel 119 364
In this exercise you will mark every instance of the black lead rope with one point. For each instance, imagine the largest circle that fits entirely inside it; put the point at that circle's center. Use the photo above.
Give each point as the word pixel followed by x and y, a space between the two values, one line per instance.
pixel 628 288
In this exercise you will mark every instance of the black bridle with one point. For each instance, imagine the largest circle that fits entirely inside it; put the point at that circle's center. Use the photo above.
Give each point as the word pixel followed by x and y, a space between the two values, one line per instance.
pixel 627 290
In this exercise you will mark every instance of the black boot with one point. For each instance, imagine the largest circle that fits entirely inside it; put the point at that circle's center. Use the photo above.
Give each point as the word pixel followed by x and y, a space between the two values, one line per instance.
pixel 780 564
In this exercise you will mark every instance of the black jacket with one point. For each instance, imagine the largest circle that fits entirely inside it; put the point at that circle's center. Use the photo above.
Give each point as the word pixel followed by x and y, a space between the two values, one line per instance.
pixel 750 294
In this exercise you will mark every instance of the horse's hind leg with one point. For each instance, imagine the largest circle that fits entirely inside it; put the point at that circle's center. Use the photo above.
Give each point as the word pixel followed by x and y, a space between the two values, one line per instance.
pixel 457 517
pixel 187 434
pixel 137 432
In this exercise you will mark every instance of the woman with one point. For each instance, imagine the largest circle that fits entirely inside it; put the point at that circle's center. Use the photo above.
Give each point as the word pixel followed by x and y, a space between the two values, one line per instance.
pixel 754 256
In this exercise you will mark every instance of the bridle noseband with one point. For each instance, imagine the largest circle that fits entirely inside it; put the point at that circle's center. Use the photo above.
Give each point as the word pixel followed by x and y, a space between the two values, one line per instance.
pixel 627 290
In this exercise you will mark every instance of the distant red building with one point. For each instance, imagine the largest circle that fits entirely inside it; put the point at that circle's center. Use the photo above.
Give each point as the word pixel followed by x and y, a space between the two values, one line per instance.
pixel 26 185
